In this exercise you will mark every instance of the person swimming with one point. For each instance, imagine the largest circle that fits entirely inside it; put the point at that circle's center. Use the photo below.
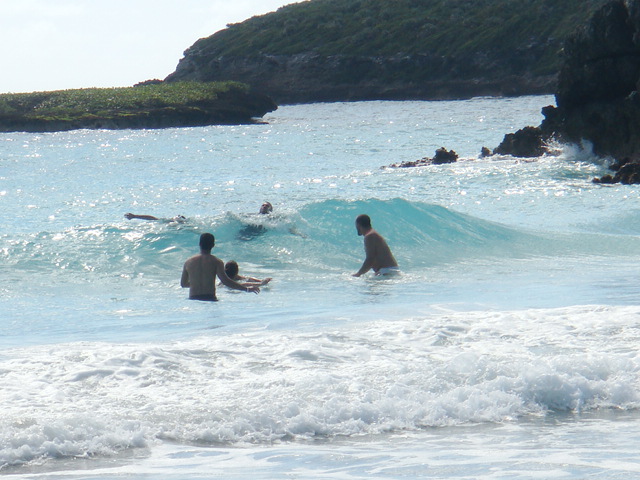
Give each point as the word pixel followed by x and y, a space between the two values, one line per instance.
pixel 253 230
pixel 266 208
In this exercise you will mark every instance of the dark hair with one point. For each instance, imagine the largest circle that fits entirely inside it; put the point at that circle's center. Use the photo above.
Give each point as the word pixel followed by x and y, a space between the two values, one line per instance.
pixel 231 269
pixel 207 241
pixel 364 221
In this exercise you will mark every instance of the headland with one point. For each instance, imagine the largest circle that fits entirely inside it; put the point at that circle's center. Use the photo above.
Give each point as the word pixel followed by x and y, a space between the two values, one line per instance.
pixel 147 105
pixel 348 50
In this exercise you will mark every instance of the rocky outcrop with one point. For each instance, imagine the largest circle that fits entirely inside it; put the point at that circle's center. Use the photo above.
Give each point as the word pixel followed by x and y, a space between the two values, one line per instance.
pixel 442 156
pixel 597 96
pixel 627 173
pixel 526 142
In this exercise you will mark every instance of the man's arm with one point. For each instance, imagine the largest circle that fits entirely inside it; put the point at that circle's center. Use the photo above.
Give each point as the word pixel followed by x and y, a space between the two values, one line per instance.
pixel 222 275
pixel 370 251
pixel 255 281
pixel 184 280
pixel 129 216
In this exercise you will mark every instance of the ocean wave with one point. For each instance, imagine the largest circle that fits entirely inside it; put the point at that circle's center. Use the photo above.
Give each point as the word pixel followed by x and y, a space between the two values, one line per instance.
pixel 318 237
pixel 320 234
pixel 259 387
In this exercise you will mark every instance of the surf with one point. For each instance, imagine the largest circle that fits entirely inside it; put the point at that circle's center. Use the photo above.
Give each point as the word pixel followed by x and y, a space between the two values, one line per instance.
pixel 260 387
pixel 318 235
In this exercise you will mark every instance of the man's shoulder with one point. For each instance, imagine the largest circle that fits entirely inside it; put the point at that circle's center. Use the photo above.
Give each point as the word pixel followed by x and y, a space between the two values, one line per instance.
pixel 373 236
pixel 203 259
pixel 211 259
pixel 192 259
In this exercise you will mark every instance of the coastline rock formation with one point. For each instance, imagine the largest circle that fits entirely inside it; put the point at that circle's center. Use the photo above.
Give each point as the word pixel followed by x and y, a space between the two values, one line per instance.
pixel 526 142
pixel 313 78
pixel 347 50
pixel 441 157
pixel 598 97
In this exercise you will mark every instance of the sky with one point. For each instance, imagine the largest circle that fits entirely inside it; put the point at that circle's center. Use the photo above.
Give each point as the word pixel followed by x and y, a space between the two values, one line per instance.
pixel 61 44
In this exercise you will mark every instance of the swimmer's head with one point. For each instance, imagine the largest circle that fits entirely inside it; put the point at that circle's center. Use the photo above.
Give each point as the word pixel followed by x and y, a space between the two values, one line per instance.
pixel 231 269
pixel 179 219
pixel 363 224
pixel 266 207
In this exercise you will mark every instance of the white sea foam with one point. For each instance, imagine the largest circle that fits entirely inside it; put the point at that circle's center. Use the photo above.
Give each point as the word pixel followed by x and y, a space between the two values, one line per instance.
pixel 272 386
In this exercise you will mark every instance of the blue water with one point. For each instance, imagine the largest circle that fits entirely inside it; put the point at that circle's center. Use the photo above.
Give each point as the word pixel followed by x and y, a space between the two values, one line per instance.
pixel 506 349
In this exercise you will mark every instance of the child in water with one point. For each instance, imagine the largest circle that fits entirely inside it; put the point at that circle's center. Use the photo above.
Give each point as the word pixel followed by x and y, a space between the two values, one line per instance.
pixel 232 270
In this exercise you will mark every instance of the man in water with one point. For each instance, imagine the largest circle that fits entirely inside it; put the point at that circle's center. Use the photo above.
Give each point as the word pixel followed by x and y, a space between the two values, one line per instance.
pixel 200 272
pixel 378 255
pixel 253 230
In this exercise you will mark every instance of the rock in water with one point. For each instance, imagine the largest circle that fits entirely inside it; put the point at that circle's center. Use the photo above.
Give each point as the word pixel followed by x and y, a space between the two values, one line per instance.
pixel 441 157
pixel 526 142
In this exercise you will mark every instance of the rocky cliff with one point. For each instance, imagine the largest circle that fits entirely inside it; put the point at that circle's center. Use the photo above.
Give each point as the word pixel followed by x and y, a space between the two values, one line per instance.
pixel 341 50
pixel 597 96
pixel 309 77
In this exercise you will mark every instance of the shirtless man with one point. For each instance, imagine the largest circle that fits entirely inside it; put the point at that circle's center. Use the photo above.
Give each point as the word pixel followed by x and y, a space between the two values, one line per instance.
pixel 378 254
pixel 200 272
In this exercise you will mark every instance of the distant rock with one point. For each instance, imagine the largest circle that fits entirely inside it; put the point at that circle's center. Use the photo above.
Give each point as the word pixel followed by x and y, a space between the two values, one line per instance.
pixel 441 157
pixel 312 78
pixel 627 173
pixel 526 142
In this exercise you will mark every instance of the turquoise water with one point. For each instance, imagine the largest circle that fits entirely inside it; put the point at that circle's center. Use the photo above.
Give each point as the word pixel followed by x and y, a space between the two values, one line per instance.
pixel 506 349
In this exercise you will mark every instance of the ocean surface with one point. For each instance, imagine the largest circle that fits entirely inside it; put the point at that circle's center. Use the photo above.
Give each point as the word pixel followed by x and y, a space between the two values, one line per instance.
pixel 508 348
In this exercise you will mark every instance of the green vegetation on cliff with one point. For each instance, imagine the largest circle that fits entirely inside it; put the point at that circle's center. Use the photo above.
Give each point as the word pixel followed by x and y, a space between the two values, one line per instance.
pixel 447 28
pixel 146 106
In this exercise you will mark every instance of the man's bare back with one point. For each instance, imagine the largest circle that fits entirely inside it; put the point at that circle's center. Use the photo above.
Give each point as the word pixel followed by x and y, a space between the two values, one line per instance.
pixel 199 274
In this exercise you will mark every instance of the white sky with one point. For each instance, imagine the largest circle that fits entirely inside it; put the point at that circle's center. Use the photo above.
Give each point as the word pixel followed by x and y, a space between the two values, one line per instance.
pixel 61 44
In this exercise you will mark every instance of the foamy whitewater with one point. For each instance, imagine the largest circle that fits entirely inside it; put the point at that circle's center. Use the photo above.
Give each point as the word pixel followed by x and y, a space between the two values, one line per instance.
pixel 508 347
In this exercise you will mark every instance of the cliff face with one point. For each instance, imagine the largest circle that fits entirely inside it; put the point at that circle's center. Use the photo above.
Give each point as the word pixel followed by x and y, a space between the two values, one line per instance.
pixel 308 78
pixel 341 50
pixel 598 97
